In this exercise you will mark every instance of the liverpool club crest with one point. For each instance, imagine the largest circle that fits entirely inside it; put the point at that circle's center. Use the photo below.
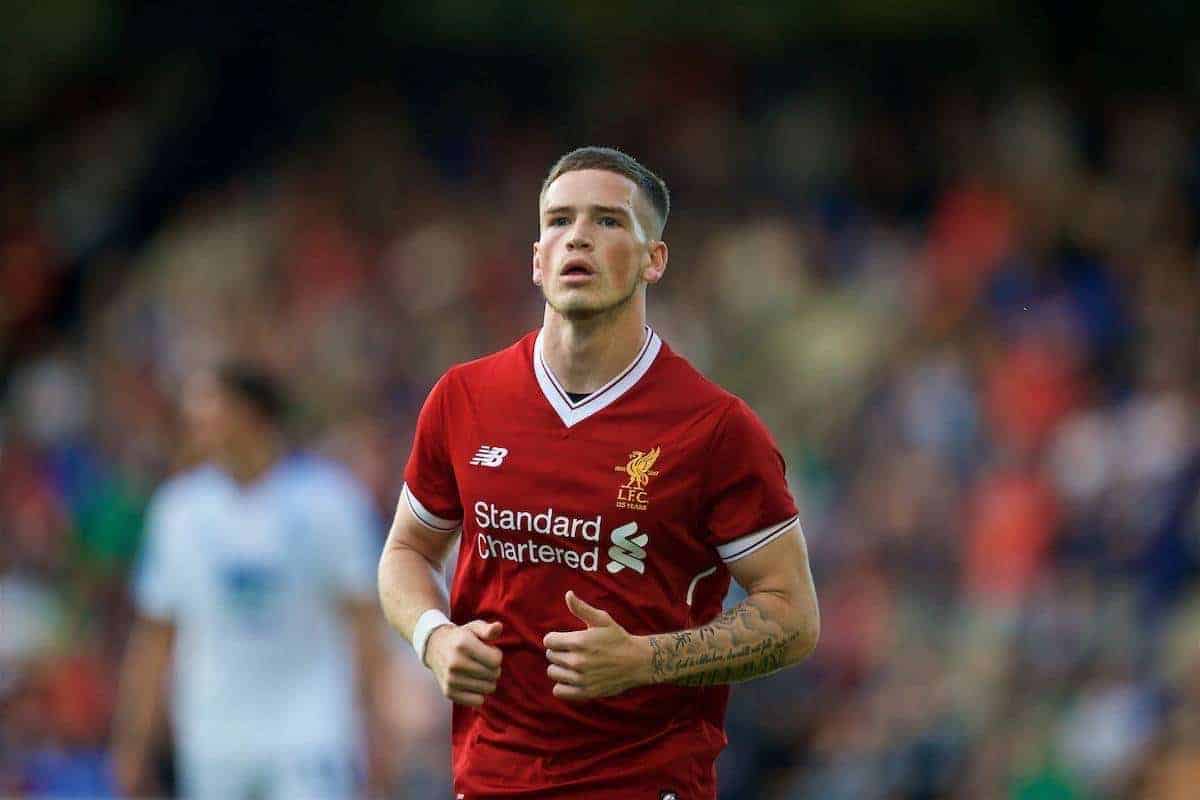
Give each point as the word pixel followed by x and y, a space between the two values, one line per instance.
pixel 639 470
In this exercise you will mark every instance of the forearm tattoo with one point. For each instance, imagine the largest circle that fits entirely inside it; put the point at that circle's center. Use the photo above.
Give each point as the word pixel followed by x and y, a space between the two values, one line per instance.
pixel 740 644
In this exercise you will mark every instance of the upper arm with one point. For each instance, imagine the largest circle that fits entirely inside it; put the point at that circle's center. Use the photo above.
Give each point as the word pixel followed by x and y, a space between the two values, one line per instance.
pixel 780 570
pixel 779 567
pixel 410 532
pixel 348 530
pixel 158 578
pixel 752 521
pixel 749 505
pixel 430 483
pixel 429 513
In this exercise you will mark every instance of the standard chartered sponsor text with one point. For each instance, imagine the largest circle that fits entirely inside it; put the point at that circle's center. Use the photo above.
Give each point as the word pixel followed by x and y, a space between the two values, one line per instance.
pixel 547 523
pixel 530 552
pixel 489 517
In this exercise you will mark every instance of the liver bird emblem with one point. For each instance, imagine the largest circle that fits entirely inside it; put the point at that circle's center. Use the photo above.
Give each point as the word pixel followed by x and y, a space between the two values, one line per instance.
pixel 640 467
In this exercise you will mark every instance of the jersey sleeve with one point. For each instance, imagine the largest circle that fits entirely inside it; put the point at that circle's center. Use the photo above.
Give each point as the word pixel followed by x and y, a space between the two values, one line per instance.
pixel 159 579
pixel 748 500
pixel 430 488
pixel 351 533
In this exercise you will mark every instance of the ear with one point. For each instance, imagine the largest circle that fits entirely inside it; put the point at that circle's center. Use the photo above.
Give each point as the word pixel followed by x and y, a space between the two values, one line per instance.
pixel 537 265
pixel 653 271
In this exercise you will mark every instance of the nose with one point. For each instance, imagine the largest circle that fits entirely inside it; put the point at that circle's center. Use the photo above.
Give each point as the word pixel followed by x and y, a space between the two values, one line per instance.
pixel 579 240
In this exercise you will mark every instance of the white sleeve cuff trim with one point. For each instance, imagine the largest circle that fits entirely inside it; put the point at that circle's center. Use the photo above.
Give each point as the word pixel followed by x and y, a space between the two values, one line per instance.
pixel 426 517
pixel 740 548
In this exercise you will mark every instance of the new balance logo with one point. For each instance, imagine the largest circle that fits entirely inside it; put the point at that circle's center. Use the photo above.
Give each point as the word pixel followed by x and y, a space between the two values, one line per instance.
pixel 628 549
pixel 488 456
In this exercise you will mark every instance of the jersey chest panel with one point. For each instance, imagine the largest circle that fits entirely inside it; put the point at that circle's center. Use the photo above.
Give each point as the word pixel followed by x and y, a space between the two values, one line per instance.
pixel 248 577
pixel 612 509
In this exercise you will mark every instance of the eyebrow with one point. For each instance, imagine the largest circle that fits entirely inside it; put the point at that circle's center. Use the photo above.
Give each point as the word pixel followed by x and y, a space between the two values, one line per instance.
pixel 616 210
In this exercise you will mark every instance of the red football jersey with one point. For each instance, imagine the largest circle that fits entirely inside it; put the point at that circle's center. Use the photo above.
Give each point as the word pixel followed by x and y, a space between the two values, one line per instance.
pixel 635 497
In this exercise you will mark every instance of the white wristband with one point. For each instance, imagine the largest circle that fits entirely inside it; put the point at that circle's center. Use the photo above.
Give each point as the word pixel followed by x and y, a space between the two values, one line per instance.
pixel 426 623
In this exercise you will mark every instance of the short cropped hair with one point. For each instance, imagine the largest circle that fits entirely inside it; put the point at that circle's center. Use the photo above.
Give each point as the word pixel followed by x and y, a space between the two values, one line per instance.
pixel 611 159
pixel 257 388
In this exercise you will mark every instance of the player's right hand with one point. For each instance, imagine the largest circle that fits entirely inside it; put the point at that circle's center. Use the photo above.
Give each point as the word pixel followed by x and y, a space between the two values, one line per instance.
pixel 465 665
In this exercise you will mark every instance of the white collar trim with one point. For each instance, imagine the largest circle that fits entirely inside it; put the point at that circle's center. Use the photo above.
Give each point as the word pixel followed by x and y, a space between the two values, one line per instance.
pixel 572 413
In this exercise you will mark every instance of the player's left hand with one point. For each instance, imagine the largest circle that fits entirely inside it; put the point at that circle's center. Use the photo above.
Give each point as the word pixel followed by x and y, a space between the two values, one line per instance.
pixel 599 661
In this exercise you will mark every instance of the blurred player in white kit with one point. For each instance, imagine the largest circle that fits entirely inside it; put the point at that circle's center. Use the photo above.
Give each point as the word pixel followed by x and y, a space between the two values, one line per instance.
pixel 256 594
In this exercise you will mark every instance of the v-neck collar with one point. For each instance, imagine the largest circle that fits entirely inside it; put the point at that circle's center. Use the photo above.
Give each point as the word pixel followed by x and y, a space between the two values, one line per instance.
pixel 572 413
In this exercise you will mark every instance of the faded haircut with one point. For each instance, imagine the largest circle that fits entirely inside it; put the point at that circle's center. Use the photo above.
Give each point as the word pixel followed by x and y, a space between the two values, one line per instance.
pixel 610 159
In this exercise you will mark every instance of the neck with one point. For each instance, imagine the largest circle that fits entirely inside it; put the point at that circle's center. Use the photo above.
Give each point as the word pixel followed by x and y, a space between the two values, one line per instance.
pixel 251 462
pixel 585 354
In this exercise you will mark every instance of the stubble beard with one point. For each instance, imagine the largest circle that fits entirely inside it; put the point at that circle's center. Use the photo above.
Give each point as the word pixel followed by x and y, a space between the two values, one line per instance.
pixel 591 313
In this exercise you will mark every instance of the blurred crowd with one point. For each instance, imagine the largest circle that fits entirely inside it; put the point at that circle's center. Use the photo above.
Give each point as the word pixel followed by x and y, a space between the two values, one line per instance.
pixel 972 325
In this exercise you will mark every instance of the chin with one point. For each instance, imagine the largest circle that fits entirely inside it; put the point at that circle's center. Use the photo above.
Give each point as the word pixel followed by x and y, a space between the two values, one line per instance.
pixel 579 311
pixel 575 306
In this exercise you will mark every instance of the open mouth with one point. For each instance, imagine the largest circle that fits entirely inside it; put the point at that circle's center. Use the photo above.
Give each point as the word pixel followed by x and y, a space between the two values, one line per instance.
pixel 577 267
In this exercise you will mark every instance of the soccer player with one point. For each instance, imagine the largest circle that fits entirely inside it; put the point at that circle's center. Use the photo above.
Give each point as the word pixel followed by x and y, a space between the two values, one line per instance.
pixel 256 584
pixel 606 492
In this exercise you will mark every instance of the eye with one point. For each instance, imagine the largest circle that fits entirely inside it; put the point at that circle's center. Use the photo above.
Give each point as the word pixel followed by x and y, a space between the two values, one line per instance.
pixel 555 221
pixel 609 222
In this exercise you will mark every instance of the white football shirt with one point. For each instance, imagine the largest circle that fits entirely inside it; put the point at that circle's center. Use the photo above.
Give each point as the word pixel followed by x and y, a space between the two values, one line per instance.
pixel 253 578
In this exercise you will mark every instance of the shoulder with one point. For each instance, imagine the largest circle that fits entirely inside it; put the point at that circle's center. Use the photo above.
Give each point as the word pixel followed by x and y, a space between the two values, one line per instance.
pixel 187 490
pixel 677 377
pixel 463 382
pixel 320 478
pixel 723 415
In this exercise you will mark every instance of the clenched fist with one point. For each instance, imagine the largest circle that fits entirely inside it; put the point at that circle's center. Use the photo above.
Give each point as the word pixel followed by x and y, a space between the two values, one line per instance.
pixel 465 665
